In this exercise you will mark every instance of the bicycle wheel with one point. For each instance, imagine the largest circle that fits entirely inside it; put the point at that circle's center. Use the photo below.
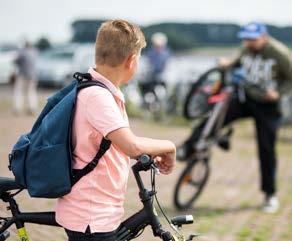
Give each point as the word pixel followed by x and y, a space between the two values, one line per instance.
pixel 191 183
pixel 196 102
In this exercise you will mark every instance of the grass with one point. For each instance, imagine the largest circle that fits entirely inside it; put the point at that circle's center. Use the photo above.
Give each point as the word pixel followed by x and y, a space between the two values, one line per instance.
pixel 243 233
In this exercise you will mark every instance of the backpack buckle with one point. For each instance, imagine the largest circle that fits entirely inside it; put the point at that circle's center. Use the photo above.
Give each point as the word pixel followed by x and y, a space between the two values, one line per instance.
pixel 93 164
pixel 10 156
pixel 82 76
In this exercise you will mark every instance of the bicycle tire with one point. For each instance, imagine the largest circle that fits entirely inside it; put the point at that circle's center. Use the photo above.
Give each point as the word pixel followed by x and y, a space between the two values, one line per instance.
pixel 196 187
pixel 197 97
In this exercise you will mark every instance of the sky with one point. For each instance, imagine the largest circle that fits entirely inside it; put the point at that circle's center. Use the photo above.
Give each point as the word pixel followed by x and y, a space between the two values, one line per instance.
pixel 31 19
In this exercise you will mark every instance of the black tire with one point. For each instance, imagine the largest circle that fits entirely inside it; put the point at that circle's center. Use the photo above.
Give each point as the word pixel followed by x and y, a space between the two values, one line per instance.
pixel 195 185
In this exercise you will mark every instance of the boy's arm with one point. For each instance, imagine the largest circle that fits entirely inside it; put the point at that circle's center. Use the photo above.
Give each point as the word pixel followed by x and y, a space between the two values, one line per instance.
pixel 163 150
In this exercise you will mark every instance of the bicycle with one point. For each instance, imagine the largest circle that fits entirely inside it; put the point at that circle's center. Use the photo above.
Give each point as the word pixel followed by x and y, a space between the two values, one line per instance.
pixel 207 103
pixel 130 229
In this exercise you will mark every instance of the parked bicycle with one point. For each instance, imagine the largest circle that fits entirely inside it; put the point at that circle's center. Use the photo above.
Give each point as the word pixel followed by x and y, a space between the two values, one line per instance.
pixel 130 229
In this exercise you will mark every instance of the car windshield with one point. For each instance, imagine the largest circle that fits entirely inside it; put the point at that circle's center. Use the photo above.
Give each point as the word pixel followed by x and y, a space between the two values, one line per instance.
pixel 59 54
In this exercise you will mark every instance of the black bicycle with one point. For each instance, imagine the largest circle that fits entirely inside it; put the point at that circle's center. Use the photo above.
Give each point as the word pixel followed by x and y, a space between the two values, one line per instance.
pixel 128 230
pixel 206 103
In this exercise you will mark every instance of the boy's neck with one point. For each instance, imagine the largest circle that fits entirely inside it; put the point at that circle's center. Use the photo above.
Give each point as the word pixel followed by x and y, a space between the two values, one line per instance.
pixel 113 74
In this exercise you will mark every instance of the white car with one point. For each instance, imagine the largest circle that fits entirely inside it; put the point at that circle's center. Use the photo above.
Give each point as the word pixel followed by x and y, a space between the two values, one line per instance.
pixel 84 57
pixel 56 66
pixel 8 54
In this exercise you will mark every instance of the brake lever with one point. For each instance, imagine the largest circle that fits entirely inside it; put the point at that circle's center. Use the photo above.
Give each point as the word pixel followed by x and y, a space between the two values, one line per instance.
pixel 155 168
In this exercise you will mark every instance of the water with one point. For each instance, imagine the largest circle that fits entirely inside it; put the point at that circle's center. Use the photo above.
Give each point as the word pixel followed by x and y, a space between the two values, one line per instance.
pixel 180 68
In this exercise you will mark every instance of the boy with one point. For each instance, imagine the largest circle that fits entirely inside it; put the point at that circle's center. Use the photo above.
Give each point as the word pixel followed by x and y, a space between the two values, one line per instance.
pixel 94 208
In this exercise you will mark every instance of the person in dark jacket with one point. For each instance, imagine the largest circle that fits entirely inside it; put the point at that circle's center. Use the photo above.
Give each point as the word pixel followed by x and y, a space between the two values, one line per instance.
pixel 268 74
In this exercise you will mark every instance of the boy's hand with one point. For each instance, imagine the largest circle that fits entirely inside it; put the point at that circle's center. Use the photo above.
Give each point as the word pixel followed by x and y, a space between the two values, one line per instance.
pixel 165 162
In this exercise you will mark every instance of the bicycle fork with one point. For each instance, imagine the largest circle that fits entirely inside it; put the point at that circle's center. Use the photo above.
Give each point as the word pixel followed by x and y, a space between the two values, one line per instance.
pixel 21 231
pixel 22 234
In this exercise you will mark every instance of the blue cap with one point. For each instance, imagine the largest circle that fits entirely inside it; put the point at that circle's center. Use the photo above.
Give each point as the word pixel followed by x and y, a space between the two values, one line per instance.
pixel 252 30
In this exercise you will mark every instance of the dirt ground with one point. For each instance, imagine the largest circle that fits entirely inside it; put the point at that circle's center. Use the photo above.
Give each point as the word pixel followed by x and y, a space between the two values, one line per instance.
pixel 229 208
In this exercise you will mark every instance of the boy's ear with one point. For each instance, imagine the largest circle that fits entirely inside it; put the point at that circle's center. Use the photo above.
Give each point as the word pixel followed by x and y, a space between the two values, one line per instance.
pixel 130 61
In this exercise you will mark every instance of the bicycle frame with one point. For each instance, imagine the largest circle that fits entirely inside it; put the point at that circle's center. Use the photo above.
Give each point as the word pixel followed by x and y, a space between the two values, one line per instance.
pixel 128 230
pixel 215 121
pixel 19 219
pixel 207 133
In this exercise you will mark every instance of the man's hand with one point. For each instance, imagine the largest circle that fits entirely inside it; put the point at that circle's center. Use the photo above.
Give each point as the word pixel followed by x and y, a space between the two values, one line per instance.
pixel 272 95
pixel 224 62
pixel 165 162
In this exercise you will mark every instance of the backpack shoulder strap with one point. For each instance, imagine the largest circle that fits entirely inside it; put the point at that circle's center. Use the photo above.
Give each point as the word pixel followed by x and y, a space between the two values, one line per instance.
pixel 84 81
pixel 79 173
pixel 88 83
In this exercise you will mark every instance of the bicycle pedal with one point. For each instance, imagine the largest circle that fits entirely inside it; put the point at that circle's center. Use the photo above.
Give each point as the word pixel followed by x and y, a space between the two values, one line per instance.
pixel 224 144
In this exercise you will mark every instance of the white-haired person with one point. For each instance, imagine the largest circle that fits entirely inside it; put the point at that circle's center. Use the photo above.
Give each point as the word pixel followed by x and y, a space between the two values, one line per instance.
pixel 157 55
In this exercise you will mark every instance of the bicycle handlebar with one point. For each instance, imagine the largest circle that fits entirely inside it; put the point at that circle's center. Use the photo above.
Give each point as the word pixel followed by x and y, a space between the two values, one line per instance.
pixel 144 163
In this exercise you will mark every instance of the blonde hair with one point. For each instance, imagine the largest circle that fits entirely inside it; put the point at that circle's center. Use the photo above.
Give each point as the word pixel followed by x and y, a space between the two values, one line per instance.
pixel 116 40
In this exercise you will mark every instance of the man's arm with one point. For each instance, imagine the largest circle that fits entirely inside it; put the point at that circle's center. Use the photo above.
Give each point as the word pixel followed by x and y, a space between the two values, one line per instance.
pixel 285 68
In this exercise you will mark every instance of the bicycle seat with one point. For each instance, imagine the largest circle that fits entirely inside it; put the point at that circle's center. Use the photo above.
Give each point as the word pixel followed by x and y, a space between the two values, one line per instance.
pixel 7 184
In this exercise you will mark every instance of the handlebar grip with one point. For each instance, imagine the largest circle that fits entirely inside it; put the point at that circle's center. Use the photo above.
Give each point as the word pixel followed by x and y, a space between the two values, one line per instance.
pixel 184 219
pixel 144 158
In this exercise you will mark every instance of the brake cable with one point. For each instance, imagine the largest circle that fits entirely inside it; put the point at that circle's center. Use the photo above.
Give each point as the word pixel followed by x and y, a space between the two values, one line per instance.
pixel 153 186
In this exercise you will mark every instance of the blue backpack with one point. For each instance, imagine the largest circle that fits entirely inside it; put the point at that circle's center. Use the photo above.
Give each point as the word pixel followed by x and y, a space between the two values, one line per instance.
pixel 41 160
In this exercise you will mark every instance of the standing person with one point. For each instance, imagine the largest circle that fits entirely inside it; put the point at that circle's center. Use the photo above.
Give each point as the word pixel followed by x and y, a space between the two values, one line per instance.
pixel 26 80
pixel 158 56
pixel 94 208
pixel 268 72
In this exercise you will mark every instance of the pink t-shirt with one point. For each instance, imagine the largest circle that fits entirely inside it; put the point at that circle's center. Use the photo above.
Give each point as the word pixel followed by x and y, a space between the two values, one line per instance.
pixel 97 198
